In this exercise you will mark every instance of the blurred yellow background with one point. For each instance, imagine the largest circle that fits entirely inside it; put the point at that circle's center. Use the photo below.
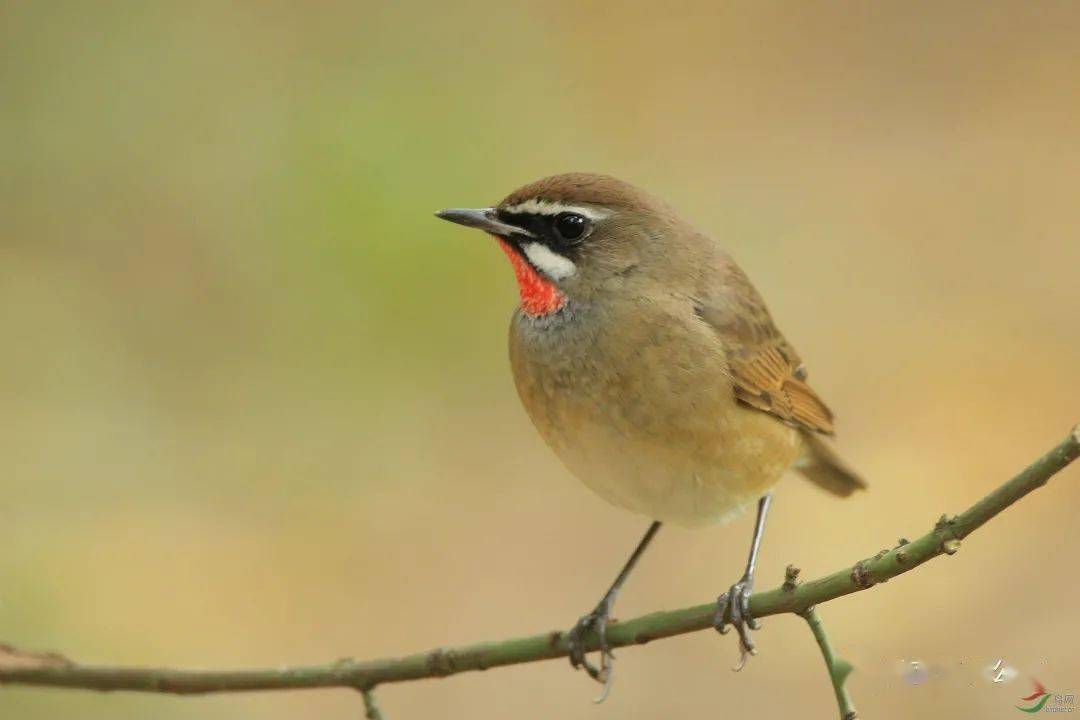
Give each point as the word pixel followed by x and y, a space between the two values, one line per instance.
pixel 255 407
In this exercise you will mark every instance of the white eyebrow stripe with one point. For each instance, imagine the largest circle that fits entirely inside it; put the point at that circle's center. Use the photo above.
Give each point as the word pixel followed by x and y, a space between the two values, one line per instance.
pixel 546 259
pixel 547 207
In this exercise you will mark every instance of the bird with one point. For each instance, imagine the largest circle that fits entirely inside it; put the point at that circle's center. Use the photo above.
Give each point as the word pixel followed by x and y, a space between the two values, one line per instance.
pixel 651 366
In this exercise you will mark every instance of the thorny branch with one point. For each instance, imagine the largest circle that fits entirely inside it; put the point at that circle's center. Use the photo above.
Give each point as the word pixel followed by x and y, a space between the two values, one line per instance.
pixel 838 669
pixel 24 668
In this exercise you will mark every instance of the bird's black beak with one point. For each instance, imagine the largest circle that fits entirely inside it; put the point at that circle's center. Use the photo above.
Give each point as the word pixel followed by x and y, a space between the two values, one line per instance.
pixel 482 219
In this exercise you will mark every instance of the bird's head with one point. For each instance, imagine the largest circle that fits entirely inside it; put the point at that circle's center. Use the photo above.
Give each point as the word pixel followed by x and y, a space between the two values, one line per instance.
pixel 572 236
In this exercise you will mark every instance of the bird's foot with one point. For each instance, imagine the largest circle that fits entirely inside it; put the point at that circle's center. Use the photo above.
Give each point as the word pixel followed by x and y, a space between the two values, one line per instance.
pixel 596 620
pixel 733 608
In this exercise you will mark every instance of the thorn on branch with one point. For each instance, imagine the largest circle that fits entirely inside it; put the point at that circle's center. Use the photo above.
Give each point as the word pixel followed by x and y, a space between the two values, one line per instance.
pixel 791 578
pixel 945 524
pixel 945 528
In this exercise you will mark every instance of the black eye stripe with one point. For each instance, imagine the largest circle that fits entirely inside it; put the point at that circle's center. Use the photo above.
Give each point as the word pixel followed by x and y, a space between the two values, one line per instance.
pixel 553 230
pixel 533 222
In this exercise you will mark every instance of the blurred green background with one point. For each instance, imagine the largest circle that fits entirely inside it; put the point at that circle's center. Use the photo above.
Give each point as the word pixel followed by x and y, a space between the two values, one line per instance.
pixel 254 402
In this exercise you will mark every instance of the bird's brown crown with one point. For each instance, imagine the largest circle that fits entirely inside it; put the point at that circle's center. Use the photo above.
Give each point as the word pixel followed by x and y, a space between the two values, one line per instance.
pixel 587 188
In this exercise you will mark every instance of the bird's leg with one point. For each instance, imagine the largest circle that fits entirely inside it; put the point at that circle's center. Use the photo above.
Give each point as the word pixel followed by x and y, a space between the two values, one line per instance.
pixel 598 620
pixel 733 607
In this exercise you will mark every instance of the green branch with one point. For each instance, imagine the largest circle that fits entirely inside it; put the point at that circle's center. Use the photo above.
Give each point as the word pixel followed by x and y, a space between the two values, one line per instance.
pixel 371 708
pixel 23 668
pixel 838 669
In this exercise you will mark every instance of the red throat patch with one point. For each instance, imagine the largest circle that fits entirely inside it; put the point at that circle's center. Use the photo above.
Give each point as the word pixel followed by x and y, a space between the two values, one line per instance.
pixel 539 296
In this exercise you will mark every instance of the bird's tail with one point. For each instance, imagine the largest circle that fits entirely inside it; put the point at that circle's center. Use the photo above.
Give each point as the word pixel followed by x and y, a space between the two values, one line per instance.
pixel 822 466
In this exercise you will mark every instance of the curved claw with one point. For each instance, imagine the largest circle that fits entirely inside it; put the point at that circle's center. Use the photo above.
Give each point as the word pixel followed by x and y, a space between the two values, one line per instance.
pixel 606 676
pixel 733 608
pixel 743 656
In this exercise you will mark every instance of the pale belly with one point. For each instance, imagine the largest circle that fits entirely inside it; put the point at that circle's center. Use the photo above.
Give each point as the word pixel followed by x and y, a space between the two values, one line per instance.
pixel 654 432
pixel 684 483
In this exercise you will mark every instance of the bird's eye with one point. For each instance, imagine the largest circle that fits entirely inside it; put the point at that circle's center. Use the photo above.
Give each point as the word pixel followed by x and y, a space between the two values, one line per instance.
pixel 570 226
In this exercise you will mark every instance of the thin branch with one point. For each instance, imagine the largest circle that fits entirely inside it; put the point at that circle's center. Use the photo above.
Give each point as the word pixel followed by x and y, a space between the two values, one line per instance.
pixel 22 668
pixel 371 708
pixel 838 669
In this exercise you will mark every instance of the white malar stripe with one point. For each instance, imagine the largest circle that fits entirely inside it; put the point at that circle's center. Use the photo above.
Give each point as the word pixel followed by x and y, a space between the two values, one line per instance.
pixel 536 206
pixel 551 263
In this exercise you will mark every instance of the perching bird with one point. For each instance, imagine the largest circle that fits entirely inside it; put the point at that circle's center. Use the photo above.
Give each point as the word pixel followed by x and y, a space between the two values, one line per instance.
pixel 651 366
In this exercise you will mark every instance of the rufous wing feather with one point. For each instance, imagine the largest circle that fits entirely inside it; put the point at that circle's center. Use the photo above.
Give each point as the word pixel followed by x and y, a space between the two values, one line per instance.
pixel 768 374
